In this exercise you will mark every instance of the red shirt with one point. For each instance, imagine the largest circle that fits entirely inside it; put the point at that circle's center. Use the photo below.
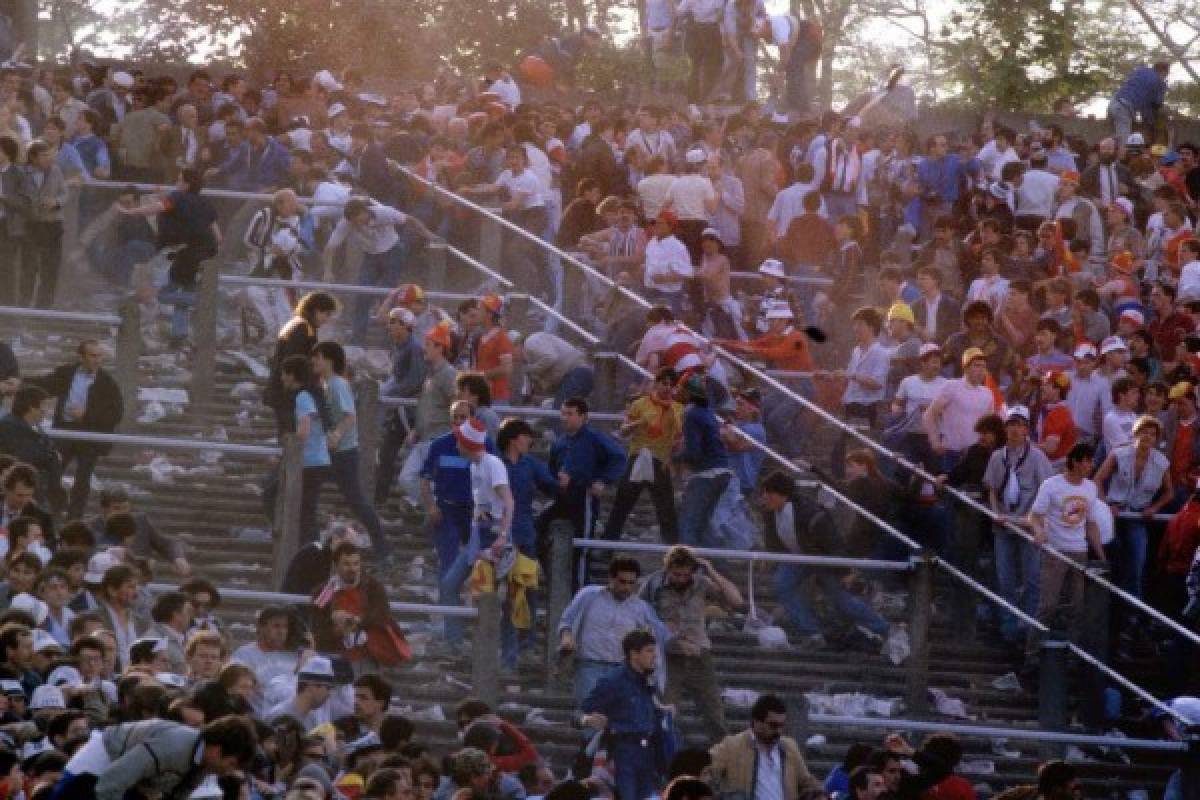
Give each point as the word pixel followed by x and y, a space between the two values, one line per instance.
pixel 1179 544
pixel 1169 332
pixel 493 346
pixel 1058 422
pixel 1181 452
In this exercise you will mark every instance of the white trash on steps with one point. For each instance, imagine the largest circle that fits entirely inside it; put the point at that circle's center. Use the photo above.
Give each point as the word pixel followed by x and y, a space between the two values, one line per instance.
pixel 947 705
pixel 739 698
pixel 898 647
pixel 853 704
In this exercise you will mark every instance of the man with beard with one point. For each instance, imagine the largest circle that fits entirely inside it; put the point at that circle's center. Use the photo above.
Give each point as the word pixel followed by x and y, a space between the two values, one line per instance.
pixel 679 593
pixel 351 616
pixel 761 763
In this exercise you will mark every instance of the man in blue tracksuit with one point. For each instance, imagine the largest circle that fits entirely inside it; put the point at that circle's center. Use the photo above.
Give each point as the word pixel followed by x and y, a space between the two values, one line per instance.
pixel 704 454
pixel 585 462
pixel 446 491
pixel 623 705
pixel 1141 96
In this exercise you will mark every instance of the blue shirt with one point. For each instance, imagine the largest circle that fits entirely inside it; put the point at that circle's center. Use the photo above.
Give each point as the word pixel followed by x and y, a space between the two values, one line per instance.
pixel 316 454
pixel 69 160
pixel 626 698
pixel 525 477
pixel 747 464
pixel 702 445
pixel 587 456
pixel 940 175
pixel 92 150
pixel 341 401
pixel 1144 91
pixel 449 472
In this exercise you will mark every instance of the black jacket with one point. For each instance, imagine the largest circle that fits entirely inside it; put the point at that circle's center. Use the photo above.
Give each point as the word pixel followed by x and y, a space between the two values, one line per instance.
pixel 816 532
pixel 9 367
pixel 26 443
pixel 102 412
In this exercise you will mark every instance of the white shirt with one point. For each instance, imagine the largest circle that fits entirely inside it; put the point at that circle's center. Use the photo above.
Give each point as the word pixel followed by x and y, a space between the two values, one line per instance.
pixel 652 189
pixel 991 290
pixel 539 165
pixel 687 196
pixel 1085 400
pixel 1118 428
pixel 789 204
pixel 1036 194
pixel 1189 279
pixel 377 236
pixel 870 160
pixel 768 777
pixel 1065 507
pixel 659 143
pixel 507 90
pixel 526 183
pixel 487 476
pixel 665 256
pixel 917 393
pixel 267 665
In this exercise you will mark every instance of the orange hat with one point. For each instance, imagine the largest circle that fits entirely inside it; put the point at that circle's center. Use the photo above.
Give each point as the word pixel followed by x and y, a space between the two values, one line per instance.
pixel 1069 176
pixel 412 294
pixel 668 217
pixel 1123 261
pixel 493 303
pixel 351 786
pixel 440 335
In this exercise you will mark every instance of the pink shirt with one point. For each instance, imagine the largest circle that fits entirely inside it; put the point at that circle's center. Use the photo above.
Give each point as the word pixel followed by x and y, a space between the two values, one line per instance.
pixel 964 406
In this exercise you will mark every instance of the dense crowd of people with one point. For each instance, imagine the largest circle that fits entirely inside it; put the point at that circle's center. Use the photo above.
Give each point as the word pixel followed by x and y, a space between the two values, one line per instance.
pixel 1015 312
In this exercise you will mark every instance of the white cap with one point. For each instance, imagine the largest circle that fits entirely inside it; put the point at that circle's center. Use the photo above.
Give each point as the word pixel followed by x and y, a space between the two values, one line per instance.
pixel 405 316
pixel 99 564
pixel 780 310
pixel 171 680
pixel 1135 316
pixel 1017 411
pixel 65 675
pixel 46 696
pixel 31 606
pixel 43 641
pixel 689 361
pixel 1085 350
pixel 695 156
pixel 326 81
pixel 9 688
pixel 713 233
pixel 1113 344
pixel 159 644
pixel 336 109
pixel 1125 204
pixel 1135 140
pixel 317 669
pixel 122 79
pixel 772 267
pixel 929 348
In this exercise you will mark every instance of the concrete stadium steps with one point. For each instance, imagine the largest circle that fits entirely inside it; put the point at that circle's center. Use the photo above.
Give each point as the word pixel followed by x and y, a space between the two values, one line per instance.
pixel 207 513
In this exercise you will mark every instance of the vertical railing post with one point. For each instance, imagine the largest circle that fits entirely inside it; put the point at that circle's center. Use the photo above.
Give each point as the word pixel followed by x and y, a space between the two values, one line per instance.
pixel 604 391
pixel 435 267
pixel 485 650
pixel 491 241
pixel 920 622
pixel 1094 628
pixel 558 579
pixel 129 350
pixel 367 414
pixel 287 504
pixel 797 716
pixel 204 333
pixel 1052 693
pixel 71 249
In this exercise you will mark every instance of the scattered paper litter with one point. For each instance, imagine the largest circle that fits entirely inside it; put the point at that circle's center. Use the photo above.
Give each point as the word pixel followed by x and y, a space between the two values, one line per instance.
pixel 536 716
pixel 772 637
pixel 999 748
pixel 739 698
pixel 897 647
pixel 816 740
pixel 947 705
pixel 253 365
pixel 1008 682
pixel 977 767
pixel 429 713
pixel 177 397
pixel 245 390
pixel 1073 753
pixel 151 413
pixel 853 704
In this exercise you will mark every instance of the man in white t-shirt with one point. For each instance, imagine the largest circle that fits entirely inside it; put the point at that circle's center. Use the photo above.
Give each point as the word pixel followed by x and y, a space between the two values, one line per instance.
pixel 951 417
pixel 1088 393
pixel 491 521
pixel 1118 422
pixel 501 84
pixel 668 264
pixel 916 392
pixel 1062 519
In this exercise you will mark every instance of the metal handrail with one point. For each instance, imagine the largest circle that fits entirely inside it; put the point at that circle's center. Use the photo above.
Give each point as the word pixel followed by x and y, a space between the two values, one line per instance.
pixel 992 731
pixel 773 383
pixel 524 411
pixel 341 288
pixel 256 596
pixel 66 316
pixel 210 192
pixel 163 441
pixel 749 555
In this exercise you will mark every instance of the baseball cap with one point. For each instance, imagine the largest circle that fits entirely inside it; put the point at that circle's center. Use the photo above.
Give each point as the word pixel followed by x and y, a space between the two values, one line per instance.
pixel 1112 344
pixel 929 348
pixel 412 294
pixel 99 564
pixel 1017 412
pixel 695 156
pixel 471 435
pixel 1085 350
pixel 317 669
pixel 12 688
pixel 46 696
pixel 440 334
pixel 1134 316
pixel 1135 140
pixel 336 109
pixel 1123 261
pixel 1179 390
pixel 711 233
pixel 1125 204
pixel 65 675
pixel 122 79
pixel 1057 377
pixel 971 354
pixel 43 641
pixel 901 311
pixel 406 317
pixel 31 606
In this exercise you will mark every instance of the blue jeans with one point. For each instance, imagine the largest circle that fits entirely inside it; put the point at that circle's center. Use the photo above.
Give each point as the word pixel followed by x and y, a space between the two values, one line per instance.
pixel 635 774
pixel 345 476
pixel 378 269
pixel 451 583
pixel 588 674
pixel 1130 562
pixel 1017 580
pixel 700 498
pixel 450 534
pixel 181 300
pixel 578 382
pixel 790 582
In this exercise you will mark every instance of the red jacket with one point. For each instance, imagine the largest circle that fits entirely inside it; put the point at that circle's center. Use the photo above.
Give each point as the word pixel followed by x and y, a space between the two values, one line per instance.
pixel 953 787
pixel 515 750
pixel 1178 546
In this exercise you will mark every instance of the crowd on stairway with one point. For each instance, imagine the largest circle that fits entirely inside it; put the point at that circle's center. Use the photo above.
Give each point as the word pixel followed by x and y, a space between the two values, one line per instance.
pixel 1014 312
